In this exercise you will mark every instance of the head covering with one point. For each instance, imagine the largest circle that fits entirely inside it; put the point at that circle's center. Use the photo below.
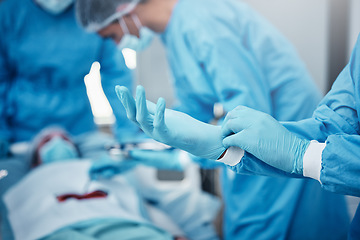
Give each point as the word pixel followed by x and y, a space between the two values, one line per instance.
pixel 93 15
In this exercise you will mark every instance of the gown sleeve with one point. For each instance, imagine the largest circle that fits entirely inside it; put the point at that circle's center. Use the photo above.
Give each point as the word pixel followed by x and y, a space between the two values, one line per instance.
pixel 5 77
pixel 334 122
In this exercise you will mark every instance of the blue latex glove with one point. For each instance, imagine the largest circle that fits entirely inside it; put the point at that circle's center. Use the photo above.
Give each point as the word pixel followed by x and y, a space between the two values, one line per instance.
pixel 171 127
pixel 106 168
pixel 261 135
pixel 160 159
pixel 4 148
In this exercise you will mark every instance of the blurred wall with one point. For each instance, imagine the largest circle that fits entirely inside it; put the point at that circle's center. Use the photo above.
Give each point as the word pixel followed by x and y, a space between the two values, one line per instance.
pixel 354 24
pixel 153 73
pixel 304 23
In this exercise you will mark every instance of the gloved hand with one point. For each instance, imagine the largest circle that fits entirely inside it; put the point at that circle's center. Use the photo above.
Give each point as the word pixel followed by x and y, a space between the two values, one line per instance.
pixel 4 148
pixel 171 127
pixel 106 168
pixel 261 135
pixel 160 159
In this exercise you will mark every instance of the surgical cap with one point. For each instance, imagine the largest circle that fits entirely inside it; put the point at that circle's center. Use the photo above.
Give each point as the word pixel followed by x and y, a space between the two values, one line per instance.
pixel 93 15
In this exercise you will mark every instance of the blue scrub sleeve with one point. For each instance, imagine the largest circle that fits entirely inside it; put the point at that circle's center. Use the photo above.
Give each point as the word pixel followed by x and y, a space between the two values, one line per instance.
pixel 336 113
pixel 114 72
pixel 341 164
pixel 250 165
pixel 5 80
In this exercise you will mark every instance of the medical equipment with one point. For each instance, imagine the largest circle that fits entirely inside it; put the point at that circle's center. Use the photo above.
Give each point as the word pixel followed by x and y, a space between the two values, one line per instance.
pixel 121 151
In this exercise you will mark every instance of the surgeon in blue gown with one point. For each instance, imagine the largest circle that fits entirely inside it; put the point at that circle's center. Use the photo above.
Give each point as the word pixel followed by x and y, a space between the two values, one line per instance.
pixel 224 52
pixel 44 56
pixel 325 147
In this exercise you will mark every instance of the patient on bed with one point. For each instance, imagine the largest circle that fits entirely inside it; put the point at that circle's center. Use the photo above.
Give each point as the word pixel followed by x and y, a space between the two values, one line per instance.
pixel 58 200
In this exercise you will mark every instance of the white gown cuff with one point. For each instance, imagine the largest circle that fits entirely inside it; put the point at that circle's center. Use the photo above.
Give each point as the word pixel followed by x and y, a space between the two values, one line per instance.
pixel 312 160
pixel 232 156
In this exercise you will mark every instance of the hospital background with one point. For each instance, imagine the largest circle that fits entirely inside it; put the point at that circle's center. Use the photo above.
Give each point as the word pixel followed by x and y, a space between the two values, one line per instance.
pixel 323 32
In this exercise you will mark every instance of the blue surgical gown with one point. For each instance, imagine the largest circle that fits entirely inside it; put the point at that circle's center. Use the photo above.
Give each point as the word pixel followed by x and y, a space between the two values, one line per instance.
pixel 336 122
pixel 43 61
pixel 224 52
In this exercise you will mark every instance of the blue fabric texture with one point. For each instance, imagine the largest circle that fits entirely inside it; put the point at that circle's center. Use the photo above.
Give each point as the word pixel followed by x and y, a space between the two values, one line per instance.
pixel 354 232
pixel 226 53
pixel 111 229
pixel 4 148
pixel 43 61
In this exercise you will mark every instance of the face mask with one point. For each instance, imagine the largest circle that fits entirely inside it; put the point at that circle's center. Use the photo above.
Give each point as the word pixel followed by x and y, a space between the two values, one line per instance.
pixel 57 149
pixel 133 42
pixel 54 6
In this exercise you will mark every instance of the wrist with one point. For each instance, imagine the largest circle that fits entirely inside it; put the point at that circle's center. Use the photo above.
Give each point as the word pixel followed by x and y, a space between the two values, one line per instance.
pixel 216 141
pixel 300 149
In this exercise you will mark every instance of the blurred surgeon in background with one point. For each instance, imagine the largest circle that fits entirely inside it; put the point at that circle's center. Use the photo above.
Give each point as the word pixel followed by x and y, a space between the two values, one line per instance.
pixel 44 56
pixel 224 52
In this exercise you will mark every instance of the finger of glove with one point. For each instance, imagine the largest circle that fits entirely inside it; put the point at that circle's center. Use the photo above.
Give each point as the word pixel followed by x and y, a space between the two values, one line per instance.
pixel 127 101
pixel 240 119
pixel 233 126
pixel 234 113
pixel 142 115
pixel 159 120
pixel 236 140
pixel 241 113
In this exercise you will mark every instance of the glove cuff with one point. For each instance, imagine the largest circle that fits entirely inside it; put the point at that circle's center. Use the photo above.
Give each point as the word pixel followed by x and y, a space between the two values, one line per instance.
pixel 301 147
